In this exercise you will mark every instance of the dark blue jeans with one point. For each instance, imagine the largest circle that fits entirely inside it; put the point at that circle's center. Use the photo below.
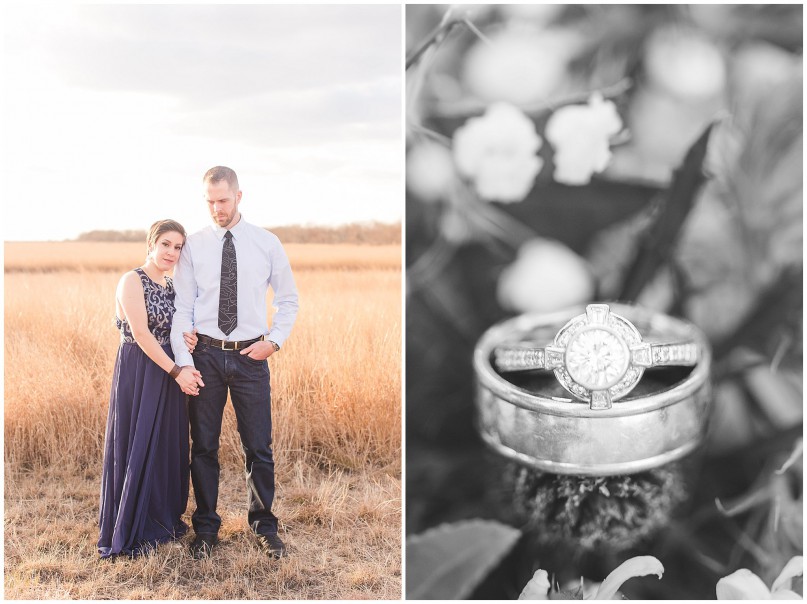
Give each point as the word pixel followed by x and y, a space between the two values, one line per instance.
pixel 248 383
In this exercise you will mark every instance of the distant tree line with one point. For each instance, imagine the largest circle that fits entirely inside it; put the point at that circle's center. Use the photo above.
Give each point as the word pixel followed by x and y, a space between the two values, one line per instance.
pixel 113 236
pixel 368 233
pixel 372 233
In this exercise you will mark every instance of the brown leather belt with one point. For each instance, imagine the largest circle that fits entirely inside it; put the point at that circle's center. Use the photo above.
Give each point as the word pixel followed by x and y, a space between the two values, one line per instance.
pixel 225 345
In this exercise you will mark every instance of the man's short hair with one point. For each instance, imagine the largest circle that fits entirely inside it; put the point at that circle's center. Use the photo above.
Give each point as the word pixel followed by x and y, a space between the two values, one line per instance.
pixel 219 173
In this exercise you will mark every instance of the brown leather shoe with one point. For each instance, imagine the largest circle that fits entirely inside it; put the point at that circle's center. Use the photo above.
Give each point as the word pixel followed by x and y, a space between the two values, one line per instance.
pixel 272 545
pixel 202 545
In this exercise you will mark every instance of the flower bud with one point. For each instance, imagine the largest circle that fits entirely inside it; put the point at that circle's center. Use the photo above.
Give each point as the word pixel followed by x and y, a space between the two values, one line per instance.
pixel 520 64
pixel 429 171
pixel 684 63
pixel 546 276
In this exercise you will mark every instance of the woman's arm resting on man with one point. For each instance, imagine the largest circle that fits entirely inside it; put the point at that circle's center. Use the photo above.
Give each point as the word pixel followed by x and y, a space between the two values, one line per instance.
pixel 130 297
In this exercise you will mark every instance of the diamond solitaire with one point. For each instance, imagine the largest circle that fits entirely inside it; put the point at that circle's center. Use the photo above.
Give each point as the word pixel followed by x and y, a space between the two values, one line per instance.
pixel 598 356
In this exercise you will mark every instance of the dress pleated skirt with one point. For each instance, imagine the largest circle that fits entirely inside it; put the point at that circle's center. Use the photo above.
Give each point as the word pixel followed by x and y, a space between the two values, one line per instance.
pixel 144 482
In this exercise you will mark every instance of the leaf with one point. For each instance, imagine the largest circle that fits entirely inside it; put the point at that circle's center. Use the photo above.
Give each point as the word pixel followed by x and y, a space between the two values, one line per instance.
pixel 780 303
pixel 575 215
pixel 449 561
pixel 656 244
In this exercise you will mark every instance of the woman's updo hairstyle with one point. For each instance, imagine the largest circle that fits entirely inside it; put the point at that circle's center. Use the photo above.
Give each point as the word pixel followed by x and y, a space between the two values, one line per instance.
pixel 160 227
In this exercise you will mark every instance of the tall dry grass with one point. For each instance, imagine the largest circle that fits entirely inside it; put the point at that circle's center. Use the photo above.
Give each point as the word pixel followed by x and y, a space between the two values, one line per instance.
pixel 336 426
pixel 335 385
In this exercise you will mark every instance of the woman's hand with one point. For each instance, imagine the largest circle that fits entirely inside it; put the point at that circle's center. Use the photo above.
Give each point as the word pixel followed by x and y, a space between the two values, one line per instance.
pixel 190 339
pixel 189 380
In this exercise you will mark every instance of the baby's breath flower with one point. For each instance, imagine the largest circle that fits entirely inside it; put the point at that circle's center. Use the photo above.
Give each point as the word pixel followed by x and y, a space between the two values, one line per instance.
pixel 497 152
pixel 580 135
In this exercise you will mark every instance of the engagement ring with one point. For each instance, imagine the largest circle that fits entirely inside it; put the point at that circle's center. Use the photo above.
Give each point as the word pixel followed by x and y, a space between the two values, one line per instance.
pixel 598 356
pixel 609 423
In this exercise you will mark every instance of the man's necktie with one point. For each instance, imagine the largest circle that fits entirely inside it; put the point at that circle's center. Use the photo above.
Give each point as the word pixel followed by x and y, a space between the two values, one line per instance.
pixel 228 293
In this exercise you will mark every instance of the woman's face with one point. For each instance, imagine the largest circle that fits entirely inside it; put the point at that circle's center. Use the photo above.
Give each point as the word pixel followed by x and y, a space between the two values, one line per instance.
pixel 165 252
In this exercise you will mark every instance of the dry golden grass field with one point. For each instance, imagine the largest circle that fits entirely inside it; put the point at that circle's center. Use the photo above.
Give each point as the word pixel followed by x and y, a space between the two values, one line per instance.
pixel 336 411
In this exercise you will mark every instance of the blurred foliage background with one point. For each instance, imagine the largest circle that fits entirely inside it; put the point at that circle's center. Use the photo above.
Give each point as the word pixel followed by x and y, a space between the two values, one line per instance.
pixel 698 214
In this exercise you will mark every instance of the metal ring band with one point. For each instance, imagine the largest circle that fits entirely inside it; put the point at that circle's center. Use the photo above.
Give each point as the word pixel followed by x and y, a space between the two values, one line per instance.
pixel 564 436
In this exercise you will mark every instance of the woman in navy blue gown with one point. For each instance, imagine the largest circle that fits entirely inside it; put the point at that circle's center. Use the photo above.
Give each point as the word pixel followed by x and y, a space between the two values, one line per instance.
pixel 144 483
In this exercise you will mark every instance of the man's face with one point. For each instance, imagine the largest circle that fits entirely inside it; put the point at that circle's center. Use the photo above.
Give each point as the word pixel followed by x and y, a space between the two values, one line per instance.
pixel 222 202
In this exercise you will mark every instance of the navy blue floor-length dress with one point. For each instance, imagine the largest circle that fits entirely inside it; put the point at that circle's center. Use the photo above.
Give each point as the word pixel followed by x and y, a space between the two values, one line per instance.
pixel 144 483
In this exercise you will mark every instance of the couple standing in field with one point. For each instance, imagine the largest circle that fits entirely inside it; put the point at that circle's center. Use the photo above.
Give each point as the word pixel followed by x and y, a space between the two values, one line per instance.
pixel 202 334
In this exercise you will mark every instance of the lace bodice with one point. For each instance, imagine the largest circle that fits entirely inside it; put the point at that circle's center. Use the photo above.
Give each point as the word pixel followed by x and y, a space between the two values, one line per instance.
pixel 159 308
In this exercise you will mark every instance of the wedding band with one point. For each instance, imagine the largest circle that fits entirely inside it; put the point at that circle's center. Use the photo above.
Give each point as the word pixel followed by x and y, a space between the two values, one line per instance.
pixel 529 417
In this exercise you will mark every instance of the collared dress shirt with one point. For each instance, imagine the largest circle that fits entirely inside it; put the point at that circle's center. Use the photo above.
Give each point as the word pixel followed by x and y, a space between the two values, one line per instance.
pixel 261 262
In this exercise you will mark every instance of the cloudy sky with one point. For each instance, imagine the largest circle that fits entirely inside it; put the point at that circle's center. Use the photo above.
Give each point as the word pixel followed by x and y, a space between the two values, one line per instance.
pixel 112 113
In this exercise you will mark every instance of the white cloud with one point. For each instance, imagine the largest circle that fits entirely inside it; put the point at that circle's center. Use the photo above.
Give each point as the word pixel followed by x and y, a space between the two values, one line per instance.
pixel 117 111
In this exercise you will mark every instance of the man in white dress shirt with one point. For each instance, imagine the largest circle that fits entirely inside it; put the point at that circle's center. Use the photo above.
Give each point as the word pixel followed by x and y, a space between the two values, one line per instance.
pixel 221 281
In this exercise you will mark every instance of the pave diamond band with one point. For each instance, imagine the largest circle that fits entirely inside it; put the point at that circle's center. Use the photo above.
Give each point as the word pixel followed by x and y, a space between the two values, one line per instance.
pixel 526 416
pixel 598 356
pixel 528 358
